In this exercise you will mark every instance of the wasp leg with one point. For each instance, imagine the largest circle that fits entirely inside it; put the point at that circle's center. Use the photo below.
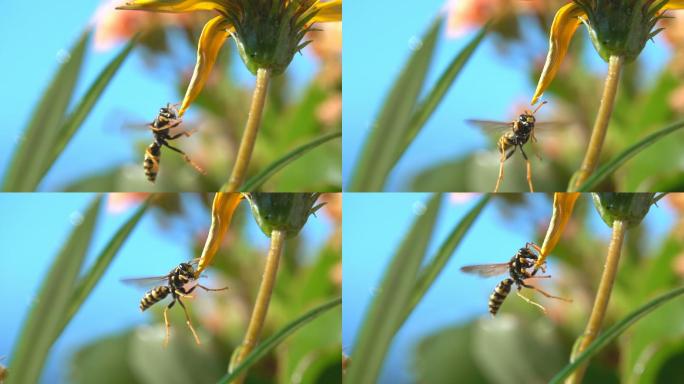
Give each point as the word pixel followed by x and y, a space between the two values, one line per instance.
pixel 186 158
pixel 175 123
pixel 529 169
pixel 550 296
pixel 501 166
pixel 210 289
pixel 189 323
pixel 530 301
pixel 167 324
pixel 184 133
pixel 186 294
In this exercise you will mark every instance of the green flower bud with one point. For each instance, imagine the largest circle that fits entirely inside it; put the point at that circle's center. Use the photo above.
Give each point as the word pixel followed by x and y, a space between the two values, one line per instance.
pixel 621 27
pixel 628 207
pixel 268 33
pixel 282 211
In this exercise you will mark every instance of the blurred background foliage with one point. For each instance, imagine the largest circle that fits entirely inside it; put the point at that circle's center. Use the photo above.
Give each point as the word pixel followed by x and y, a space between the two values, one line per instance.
pixel 451 337
pixel 309 275
pixel 299 109
pixel 650 97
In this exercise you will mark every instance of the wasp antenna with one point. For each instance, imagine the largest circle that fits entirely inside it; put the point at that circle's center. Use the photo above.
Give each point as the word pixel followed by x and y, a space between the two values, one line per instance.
pixel 539 106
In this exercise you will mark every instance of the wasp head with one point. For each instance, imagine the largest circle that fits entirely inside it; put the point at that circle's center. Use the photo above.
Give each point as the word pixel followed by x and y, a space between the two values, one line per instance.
pixel 527 120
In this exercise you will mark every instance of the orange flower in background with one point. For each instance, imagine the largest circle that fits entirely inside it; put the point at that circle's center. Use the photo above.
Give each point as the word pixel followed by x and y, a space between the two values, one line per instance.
pixel 464 15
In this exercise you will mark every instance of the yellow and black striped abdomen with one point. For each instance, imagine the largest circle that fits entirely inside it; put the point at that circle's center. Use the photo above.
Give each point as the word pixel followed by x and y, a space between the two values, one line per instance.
pixel 153 296
pixel 151 162
pixel 499 295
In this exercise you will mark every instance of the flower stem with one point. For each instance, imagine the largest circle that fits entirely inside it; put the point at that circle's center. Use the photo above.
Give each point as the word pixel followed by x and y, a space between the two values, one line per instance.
pixel 598 312
pixel 256 322
pixel 244 155
pixel 598 133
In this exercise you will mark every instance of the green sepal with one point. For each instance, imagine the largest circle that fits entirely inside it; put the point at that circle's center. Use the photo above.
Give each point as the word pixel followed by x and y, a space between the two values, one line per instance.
pixel 628 207
pixel 282 211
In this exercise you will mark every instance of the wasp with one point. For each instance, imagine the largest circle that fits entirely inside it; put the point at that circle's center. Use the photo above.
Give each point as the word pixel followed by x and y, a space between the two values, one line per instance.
pixel 519 268
pixel 166 120
pixel 180 282
pixel 515 134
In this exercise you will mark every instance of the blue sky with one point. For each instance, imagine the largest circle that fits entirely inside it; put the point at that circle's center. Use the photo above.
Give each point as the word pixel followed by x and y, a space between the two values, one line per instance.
pixel 36 225
pixel 374 225
pixel 35 34
pixel 377 40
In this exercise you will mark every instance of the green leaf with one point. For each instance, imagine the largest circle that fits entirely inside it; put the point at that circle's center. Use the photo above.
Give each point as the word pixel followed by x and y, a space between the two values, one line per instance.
pixel 255 182
pixel 429 273
pixel 86 283
pixel 269 344
pixel 428 105
pixel 613 332
pixel 78 115
pixel 607 169
pixel 384 142
pixel 44 322
pixel 43 129
pixel 386 312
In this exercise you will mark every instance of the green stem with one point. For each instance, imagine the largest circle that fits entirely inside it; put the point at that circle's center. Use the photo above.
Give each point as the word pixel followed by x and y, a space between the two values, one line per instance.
pixel 263 299
pixel 244 155
pixel 605 288
pixel 598 133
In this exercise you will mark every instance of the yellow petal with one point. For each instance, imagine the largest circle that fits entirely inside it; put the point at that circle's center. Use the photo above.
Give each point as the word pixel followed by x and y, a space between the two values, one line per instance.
pixel 563 204
pixel 214 34
pixel 173 5
pixel 222 211
pixel 673 4
pixel 328 11
pixel 564 25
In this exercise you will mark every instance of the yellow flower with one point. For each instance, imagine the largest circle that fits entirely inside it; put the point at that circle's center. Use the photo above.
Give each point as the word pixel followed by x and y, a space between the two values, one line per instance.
pixel 267 33
pixel 563 204
pixel 222 211
pixel 616 28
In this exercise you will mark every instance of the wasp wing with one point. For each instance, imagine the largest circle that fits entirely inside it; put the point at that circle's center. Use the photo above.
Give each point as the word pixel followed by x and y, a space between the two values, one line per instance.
pixel 145 281
pixel 490 126
pixel 486 270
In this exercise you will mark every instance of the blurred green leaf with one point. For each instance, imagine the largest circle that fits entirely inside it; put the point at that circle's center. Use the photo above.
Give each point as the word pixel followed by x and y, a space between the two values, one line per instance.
pixel 42 131
pixel 44 322
pixel 429 273
pixel 613 332
pixel 428 105
pixel 103 362
pixel 256 181
pixel 607 169
pixel 447 356
pixel 86 283
pixel 78 115
pixel 269 344
pixel 497 349
pixel 384 142
pixel 386 312
pixel 182 361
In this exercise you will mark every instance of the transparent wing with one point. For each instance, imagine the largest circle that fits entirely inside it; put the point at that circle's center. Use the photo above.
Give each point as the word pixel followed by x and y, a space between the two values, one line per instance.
pixel 486 270
pixel 145 281
pixel 490 126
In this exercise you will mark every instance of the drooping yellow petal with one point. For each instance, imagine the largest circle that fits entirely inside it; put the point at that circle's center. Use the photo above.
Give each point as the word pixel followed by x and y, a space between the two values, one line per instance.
pixel 563 204
pixel 222 211
pixel 564 25
pixel 173 6
pixel 328 11
pixel 214 34
pixel 673 4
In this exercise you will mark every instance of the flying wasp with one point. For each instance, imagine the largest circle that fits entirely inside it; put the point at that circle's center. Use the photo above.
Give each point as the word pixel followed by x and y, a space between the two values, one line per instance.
pixel 518 269
pixel 515 134
pixel 177 282
pixel 166 120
